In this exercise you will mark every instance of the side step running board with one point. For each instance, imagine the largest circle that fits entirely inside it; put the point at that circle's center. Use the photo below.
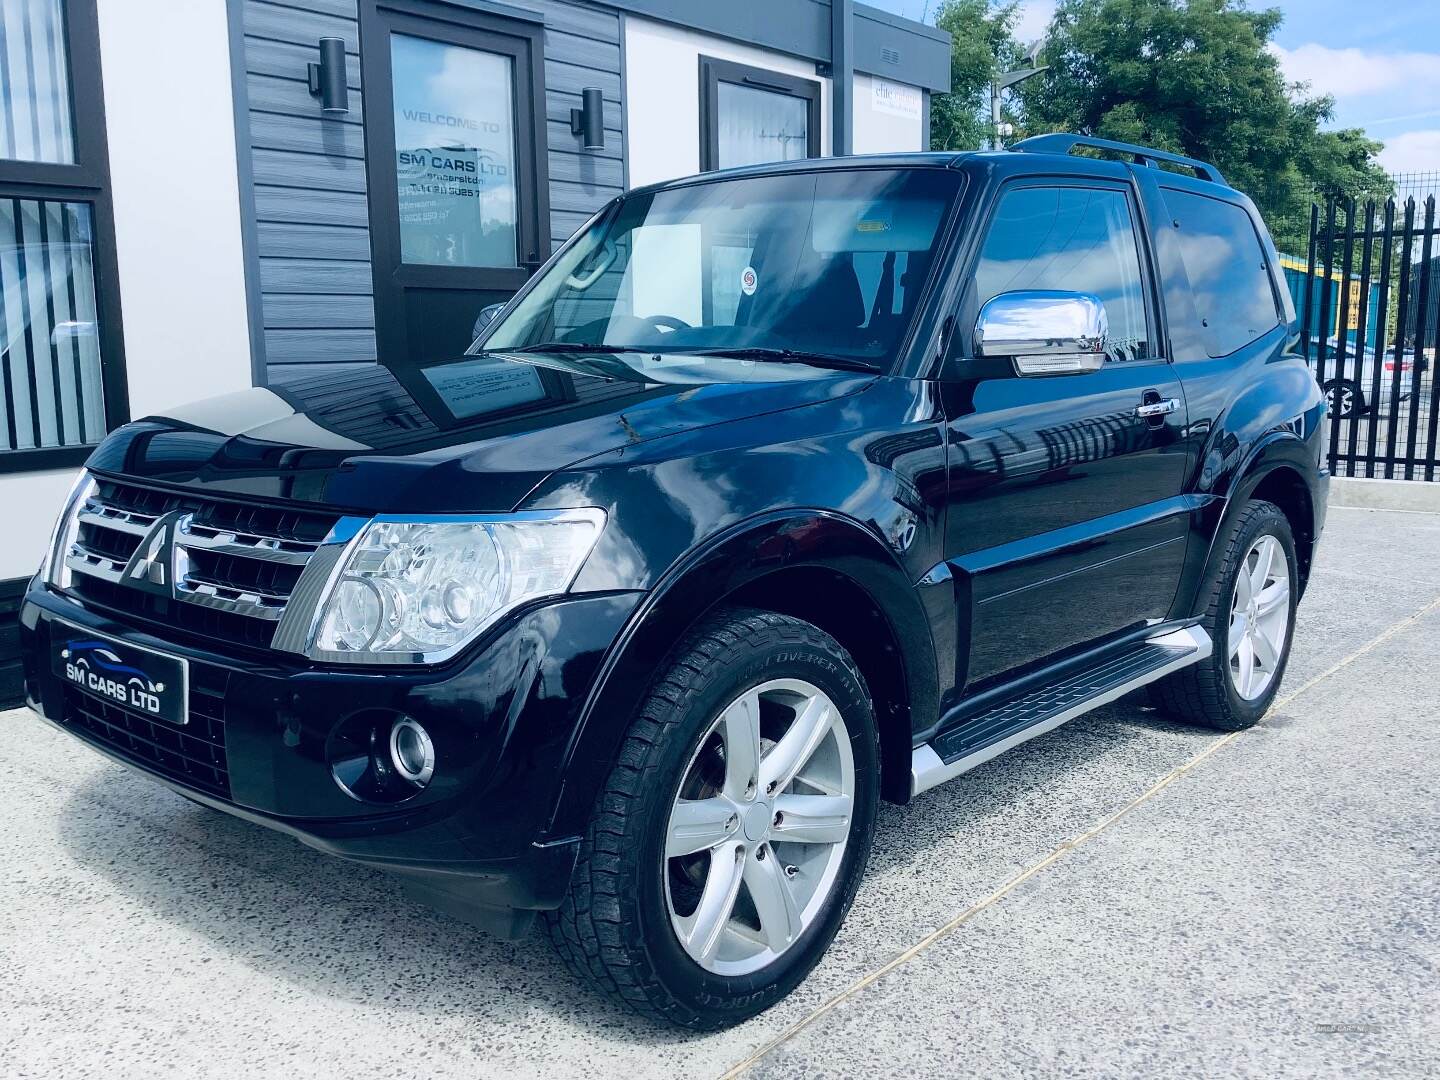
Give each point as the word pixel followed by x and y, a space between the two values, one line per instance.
pixel 1009 723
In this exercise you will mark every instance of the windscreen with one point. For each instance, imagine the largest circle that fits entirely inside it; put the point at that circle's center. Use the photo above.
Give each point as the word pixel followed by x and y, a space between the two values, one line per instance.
pixel 822 262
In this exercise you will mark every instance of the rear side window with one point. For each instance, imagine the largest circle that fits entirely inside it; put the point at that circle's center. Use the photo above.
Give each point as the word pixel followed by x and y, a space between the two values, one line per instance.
pixel 1072 239
pixel 1227 269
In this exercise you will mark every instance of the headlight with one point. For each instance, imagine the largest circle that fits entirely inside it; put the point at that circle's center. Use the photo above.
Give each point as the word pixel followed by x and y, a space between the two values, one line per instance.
pixel 410 592
pixel 53 570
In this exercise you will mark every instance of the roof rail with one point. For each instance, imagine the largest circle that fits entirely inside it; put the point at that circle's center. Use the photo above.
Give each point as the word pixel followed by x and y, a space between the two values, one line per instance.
pixel 1143 155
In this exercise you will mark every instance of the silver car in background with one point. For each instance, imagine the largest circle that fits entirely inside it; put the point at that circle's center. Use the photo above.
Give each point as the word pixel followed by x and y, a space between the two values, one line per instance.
pixel 1350 383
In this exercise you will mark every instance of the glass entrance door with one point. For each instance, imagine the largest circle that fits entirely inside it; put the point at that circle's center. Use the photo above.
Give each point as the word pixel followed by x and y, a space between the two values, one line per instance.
pixel 456 177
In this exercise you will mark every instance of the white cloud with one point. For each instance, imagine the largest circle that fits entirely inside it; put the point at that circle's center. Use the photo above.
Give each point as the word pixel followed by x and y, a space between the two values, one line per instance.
pixel 1413 151
pixel 1033 20
pixel 1355 72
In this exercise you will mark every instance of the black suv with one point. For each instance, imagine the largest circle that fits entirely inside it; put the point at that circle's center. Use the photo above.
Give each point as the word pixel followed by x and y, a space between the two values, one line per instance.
pixel 775 493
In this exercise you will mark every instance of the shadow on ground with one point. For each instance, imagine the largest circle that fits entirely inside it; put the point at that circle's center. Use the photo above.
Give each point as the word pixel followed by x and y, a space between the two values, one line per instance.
pixel 345 931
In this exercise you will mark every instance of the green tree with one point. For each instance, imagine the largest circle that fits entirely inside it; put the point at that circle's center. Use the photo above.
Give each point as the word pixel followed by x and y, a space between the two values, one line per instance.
pixel 1194 77
pixel 983 41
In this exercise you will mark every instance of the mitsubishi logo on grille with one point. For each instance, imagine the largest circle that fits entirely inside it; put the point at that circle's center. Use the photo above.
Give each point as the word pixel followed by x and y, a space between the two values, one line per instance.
pixel 157 550
pixel 151 567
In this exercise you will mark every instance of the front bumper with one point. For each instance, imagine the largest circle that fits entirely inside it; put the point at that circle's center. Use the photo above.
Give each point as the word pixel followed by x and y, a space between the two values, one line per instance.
pixel 501 716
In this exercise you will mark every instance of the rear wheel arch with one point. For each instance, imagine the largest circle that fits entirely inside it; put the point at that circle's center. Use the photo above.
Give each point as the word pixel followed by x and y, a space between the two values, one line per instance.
pixel 1284 486
pixel 1274 471
pixel 806 564
pixel 1218 691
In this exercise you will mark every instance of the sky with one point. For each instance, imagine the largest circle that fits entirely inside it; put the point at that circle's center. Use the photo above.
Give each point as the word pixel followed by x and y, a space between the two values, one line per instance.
pixel 1379 60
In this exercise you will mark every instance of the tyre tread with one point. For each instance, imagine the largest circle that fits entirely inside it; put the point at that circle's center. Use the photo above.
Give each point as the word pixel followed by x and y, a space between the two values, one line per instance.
pixel 595 930
pixel 1199 694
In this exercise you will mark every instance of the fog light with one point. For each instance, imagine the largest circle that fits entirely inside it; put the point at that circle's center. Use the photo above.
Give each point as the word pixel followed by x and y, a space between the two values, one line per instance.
pixel 411 752
pixel 381 756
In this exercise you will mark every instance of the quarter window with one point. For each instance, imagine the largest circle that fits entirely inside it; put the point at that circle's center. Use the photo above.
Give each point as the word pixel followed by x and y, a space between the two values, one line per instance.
pixel 1228 272
pixel 1070 239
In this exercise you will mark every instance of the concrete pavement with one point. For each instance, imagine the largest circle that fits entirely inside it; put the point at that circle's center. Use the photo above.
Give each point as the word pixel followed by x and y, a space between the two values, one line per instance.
pixel 1123 897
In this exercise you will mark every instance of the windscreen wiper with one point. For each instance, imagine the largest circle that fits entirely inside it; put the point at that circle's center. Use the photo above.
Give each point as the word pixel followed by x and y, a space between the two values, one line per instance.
pixel 570 347
pixel 792 356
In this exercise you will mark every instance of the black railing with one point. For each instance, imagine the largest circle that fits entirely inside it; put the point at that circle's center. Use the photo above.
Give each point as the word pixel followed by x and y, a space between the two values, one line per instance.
pixel 1369 305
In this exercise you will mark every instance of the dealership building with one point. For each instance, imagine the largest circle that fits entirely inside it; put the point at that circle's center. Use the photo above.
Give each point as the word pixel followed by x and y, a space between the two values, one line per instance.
pixel 201 196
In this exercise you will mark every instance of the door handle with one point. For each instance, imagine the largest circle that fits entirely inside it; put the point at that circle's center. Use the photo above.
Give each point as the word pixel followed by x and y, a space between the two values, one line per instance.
pixel 1152 409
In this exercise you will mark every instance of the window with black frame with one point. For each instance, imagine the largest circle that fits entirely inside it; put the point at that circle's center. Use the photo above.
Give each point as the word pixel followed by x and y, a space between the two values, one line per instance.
pixel 752 116
pixel 1070 238
pixel 61 386
pixel 456 166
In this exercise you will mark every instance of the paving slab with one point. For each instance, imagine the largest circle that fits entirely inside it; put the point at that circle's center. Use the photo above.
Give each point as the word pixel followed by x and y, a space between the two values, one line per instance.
pixel 1273 912
pixel 141 935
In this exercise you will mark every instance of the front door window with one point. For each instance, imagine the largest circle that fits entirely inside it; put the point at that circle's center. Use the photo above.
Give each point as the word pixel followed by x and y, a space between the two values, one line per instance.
pixel 1070 238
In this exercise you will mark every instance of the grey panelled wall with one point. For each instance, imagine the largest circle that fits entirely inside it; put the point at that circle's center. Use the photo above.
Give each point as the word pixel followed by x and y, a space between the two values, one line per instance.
pixel 311 239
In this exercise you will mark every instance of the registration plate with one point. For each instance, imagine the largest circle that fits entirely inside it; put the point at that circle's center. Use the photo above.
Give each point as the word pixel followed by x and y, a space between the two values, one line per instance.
pixel 142 680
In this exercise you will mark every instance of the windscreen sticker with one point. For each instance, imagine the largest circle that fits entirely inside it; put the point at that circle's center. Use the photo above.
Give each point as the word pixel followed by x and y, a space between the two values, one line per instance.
pixel 748 281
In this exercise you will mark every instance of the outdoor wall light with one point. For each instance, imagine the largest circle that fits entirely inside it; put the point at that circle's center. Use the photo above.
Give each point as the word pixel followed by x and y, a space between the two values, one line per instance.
pixel 588 121
pixel 327 78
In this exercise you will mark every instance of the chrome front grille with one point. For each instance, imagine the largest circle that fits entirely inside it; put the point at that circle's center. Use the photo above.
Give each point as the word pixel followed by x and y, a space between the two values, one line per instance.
pixel 107 537
pixel 219 568
pixel 248 573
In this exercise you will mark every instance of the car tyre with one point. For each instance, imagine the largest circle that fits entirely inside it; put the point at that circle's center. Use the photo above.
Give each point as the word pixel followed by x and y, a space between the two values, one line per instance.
pixel 623 924
pixel 1345 398
pixel 1251 622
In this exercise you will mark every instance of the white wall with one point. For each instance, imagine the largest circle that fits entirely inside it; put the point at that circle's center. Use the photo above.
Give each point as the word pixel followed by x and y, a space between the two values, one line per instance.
pixel 169 116
pixel 662 100
pixel 662 95
pixel 889 116
pixel 33 500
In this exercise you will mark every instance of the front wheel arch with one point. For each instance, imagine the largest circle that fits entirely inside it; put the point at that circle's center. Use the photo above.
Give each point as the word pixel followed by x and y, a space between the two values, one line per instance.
pixel 761 562
pixel 621 925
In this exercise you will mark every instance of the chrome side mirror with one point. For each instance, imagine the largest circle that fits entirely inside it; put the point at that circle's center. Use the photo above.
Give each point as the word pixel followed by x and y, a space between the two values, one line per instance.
pixel 1045 333
pixel 485 318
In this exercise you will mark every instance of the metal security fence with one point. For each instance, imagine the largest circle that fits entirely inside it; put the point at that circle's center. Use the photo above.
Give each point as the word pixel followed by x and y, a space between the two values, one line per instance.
pixel 1368 295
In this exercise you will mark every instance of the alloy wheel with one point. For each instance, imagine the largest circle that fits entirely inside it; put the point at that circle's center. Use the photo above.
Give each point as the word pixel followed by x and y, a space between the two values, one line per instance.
pixel 758 831
pixel 1259 617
